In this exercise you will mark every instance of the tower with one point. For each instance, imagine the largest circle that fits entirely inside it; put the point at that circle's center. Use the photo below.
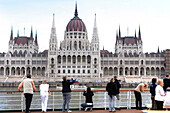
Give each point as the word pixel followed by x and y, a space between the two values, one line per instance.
pixel 10 46
pixel 95 48
pixel 52 52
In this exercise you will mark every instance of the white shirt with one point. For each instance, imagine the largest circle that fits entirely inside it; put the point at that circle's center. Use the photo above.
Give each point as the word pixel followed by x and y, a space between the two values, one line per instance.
pixel 167 99
pixel 44 89
pixel 159 91
pixel 27 85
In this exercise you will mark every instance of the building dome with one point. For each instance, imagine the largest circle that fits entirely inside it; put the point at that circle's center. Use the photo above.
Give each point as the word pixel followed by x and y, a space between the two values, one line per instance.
pixel 76 24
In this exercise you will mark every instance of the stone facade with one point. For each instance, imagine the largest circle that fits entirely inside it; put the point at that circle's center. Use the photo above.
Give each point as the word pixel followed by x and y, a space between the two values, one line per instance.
pixel 79 58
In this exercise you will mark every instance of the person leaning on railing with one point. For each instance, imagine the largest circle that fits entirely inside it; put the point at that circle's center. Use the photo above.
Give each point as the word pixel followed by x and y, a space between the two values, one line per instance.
pixel 111 88
pixel 140 88
pixel 66 92
pixel 44 95
pixel 28 88
pixel 152 91
pixel 159 97
pixel 89 101
pixel 118 91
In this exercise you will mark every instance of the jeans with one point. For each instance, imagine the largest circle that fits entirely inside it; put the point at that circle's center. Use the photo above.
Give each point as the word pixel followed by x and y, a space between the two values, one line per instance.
pixel 44 100
pixel 112 99
pixel 28 99
pixel 138 100
pixel 118 100
pixel 154 106
pixel 66 100
pixel 84 105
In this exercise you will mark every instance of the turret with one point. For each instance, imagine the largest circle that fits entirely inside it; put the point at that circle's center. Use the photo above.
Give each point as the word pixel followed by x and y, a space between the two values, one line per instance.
pixel 31 36
pixel 11 36
pixel 139 35
pixel 36 42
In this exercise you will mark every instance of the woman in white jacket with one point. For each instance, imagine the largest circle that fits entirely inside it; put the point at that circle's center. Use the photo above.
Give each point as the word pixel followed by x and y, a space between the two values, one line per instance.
pixel 44 95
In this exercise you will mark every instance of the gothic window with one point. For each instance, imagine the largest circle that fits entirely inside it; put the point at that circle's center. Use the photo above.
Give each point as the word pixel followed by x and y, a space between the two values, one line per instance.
pixel 63 71
pixel 141 62
pixel 78 71
pixel 120 62
pixel 68 71
pixel 75 45
pixel 52 61
pixel 7 61
pixel 95 61
pixel 80 45
pixel 70 44
pixel 88 71
pixel 28 62
pixel 95 71
pixel 88 59
pixel 58 71
pixel 52 71
pixel 73 71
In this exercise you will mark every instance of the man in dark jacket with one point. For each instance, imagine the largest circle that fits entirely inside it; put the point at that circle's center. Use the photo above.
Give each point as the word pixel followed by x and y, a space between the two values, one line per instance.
pixel 111 88
pixel 66 92
pixel 166 82
pixel 152 91
pixel 117 92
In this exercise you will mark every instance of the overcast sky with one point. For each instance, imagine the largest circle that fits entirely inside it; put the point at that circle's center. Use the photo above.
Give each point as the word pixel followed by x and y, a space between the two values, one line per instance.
pixel 153 16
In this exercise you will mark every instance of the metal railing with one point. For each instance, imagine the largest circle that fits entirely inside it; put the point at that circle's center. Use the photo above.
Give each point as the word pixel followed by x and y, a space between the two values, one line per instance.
pixel 14 100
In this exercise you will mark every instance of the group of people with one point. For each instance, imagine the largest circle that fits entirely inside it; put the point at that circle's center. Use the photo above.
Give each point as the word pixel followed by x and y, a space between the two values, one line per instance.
pixel 158 90
pixel 159 93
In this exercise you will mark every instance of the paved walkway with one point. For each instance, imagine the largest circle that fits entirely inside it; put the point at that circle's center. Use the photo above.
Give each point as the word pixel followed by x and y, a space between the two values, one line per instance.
pixel 94 111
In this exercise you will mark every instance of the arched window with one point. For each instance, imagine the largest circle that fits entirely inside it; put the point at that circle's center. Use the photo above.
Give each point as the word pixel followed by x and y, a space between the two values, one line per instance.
pixel 141 62
pixel 52 61
pixel 75 45
pixel 95 61
pixel 79 44
pixel 70 44
pixel 28 62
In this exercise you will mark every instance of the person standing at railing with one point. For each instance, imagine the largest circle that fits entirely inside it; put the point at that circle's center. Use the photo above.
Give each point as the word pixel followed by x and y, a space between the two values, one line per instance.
pixel 66 92
pixel 44 95
pixel 152 91
pixel 166 82
pixel 89 101
pixel 159 97
pixel 111 88
pixel 140 88
pixel 118 91
pixel 28 88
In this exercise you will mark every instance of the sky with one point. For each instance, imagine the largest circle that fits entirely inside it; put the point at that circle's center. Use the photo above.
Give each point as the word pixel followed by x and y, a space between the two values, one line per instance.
pixel 153 17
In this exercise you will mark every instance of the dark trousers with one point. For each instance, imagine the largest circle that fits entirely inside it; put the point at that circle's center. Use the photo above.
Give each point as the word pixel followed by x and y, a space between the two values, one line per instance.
pixel 154 106
pixel 28 99
pixel 84 105
pixel 138 100
pixel 159 105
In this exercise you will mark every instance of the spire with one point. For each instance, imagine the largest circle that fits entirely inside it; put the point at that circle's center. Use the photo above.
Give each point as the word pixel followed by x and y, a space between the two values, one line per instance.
pixel 95 21
pixel 158 50
pixel 119 33
pixel 31 36
pixel 103 47
pixel 36 42
pixel 116 36
pixel 11 37
pixel 139 33
pixel 95 32
pixel 76 12
pixel 18 33
pixel 53 24
pixel 135 33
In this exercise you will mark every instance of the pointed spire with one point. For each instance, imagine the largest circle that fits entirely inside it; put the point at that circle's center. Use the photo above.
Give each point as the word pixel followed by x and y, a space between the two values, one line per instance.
pixel 11 37
pixel 53 24
pixel 76 12
pixel 158 50
pixel 135 33
pixel 116 36
pixel 95 21
pixel 139 36
pixel 31 36
pixel 18 33
pixel 36 42
pixel 119 33
pixel 103 47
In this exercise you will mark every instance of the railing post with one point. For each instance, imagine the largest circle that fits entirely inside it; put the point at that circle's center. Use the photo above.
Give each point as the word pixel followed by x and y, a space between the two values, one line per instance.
pixel 105 100
pixel 127 99
pixel 80 101
pixel 130 99
pixel 53 100
pixel 22 102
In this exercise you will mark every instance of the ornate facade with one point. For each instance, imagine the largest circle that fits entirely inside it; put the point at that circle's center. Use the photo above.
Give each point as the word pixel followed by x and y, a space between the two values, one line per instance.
pixel 79 58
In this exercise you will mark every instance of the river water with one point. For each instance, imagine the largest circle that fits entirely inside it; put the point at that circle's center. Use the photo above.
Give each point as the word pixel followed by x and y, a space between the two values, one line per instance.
pixel 15 101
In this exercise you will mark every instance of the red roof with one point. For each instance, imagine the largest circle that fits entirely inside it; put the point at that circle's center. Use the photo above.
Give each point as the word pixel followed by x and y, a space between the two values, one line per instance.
pixel 76 24
pixel 21 40
pixel 129 40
